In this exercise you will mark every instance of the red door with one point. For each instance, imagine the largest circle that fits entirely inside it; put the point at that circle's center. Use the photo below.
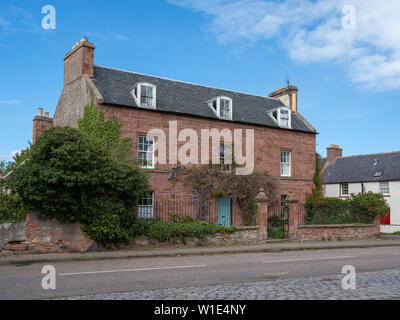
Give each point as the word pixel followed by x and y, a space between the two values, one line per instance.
pixel 386 219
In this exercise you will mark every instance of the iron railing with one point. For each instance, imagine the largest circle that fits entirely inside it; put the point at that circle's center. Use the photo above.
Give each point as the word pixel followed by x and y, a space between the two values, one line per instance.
pixel 177 209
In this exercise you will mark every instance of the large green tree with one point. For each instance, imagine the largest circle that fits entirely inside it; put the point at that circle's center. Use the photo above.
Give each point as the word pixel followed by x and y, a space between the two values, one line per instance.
pixel 106 132
pixel 72 177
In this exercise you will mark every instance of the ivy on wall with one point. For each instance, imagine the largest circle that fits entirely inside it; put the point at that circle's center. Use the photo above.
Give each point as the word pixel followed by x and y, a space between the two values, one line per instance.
pixel 210 181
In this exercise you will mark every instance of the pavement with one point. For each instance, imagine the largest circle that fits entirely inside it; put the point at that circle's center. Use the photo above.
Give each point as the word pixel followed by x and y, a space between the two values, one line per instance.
pixel 270 246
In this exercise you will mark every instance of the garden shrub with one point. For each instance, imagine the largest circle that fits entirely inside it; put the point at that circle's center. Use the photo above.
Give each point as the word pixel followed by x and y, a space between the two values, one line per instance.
pixel 174 217
pixel 11 208
pixel 277 231
pixel 367 206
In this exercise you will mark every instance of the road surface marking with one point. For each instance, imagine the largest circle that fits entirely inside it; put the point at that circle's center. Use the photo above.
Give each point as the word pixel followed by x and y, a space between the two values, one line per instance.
pixel 130 270
pixel 309 259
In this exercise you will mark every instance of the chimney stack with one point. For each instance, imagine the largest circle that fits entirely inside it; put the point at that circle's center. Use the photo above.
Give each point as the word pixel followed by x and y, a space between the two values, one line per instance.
pixel 79 61
pixel 333 152
pixel 288 95
pixel 40 124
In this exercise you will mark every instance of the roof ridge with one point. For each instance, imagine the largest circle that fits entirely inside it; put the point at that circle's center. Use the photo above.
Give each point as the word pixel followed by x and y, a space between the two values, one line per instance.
pixel 192 83
pixel 370 154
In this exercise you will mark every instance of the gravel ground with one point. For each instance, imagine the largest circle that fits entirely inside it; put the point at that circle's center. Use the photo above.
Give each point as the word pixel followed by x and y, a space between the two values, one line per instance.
pixel 369 285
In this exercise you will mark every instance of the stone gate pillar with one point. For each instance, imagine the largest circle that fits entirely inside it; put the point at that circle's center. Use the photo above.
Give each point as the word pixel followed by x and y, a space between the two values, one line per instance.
pixel 262 201
pixel 293 215
pixel 377 224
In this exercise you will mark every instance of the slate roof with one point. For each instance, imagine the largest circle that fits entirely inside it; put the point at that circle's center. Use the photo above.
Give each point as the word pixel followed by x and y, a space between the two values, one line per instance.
pixel 363 168
pixel 187 98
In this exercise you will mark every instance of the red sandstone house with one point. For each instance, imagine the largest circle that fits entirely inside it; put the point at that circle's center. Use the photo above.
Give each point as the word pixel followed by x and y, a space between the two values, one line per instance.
pixel 284 142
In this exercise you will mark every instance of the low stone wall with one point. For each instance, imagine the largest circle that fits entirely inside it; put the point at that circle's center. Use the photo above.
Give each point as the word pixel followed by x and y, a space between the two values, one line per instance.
pixel 337 232
pixel 12 233
pixel 245 235
pixel 49 235
pixel 45 235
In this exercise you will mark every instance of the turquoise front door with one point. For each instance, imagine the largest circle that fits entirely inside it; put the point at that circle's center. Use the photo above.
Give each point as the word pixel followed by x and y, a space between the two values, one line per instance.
pixel 224 212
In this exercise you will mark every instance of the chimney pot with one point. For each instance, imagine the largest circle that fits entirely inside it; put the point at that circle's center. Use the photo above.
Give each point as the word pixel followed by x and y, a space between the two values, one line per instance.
pixel 40 112
pixel 46 114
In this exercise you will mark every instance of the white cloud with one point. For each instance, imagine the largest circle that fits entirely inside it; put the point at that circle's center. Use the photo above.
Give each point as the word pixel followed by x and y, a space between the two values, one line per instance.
pixel 108 35
pixel 312 32
pixel 20 12
pixel 5 25
pixel 8 157
pixel 3 22
pixel 10 101
pixel 21 20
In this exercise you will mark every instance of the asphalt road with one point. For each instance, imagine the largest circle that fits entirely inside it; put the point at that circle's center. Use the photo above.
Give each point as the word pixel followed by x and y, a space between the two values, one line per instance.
pixel 108 276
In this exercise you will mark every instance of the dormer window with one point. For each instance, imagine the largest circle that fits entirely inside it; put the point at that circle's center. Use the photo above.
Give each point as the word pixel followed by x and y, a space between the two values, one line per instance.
pixel 282 116
pixel 144 95
pixel 222 107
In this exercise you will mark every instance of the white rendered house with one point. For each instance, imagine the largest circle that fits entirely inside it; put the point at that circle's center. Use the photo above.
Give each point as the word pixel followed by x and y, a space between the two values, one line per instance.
pixel 372 172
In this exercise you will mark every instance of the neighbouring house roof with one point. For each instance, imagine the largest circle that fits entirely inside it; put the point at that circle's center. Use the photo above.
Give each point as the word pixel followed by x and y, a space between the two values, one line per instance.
pixel 187 98
pixel 364 168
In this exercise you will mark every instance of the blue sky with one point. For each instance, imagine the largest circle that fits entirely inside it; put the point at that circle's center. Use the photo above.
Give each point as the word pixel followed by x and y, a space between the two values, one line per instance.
pixel 348 80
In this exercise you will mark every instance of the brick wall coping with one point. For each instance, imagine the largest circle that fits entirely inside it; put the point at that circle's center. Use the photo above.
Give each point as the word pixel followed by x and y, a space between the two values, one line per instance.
pixel 310 226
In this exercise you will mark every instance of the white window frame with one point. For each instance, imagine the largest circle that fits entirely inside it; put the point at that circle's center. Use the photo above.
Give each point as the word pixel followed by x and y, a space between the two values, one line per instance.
pixel 279 120
pixel 146 151
pixel 287 164
pixel 225 167
pixel 342 194
pixel 138 94
pixel 217 111
pixel 146 211
pixel 387 187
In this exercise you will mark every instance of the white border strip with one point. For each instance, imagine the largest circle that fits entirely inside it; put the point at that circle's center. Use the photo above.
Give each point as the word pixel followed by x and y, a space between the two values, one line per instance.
pixel 310 259
pixel 131 270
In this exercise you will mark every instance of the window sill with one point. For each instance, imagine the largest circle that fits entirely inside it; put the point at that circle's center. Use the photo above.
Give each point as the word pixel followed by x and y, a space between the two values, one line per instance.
pixel 147 107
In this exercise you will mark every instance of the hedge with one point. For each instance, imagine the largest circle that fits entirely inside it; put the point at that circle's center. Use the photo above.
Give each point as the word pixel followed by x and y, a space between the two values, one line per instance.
pixel 359 208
